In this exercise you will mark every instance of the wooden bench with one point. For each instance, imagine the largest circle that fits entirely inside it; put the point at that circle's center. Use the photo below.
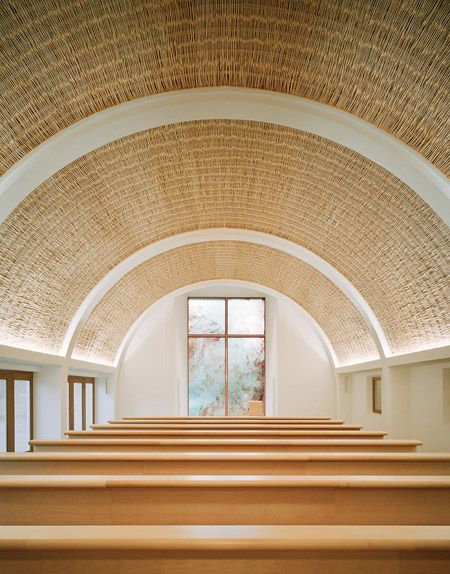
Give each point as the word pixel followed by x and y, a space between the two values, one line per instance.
pixel 375 463
pixel 225 433
pixel 225 445
pixel 225 499
pixel 233 426
pixel 240 420
pixel 224 463
pixel 240 549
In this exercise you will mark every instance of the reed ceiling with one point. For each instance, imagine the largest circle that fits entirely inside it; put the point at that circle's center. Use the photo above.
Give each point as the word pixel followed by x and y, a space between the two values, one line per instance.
pixel 105 206
pixel 109 322
pixel 385 61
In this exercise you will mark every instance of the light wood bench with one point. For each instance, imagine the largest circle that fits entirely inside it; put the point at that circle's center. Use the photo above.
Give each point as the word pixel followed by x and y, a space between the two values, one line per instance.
pixel 229 420
pixel 226 499
pixel 375 463
pixel 240 549
pixel 225 445
pixel 228 433
pixel 224 426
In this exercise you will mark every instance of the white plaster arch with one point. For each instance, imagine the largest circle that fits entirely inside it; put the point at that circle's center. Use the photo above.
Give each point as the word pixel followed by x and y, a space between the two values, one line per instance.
pixel 225 103
pixel 224 234
pixel 144 316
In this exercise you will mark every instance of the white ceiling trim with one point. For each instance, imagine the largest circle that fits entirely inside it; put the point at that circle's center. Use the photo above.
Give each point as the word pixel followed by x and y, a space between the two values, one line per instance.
pixel 224 234
pixel 224 103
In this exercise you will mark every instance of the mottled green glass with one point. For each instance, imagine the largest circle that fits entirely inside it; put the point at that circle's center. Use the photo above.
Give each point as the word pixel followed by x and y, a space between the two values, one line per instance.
pixel 206 376
pixel 245 373
pixel 246 316
pixel 206 316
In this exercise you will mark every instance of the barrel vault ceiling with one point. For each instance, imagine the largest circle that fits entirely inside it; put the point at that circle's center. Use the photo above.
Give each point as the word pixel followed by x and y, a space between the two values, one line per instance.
pixel 385 62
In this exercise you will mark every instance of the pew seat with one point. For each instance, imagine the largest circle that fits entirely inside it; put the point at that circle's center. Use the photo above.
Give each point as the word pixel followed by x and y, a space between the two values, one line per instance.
pixel 224 499
pixel 240 549
pixel 224 426
pixel 225 433
pixel 224 445
pixel 228 419
pixel 288 463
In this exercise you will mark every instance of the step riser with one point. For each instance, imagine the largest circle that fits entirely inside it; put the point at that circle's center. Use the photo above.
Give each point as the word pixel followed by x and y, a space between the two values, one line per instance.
pixel 224 505
pixel 231 561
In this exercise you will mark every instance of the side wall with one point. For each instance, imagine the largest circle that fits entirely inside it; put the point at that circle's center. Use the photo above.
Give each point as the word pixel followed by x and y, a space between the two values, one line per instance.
pixel 416 402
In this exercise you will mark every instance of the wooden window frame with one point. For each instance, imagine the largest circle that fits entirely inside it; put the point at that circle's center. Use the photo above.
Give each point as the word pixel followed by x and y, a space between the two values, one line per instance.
pixel 376 408
pixel 227 336
pixel 71 380
pixel 11 377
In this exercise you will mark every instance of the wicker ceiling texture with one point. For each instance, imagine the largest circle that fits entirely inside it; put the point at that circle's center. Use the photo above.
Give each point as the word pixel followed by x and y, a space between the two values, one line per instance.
pixel 102 208
pixel 129 298
pixel 386 61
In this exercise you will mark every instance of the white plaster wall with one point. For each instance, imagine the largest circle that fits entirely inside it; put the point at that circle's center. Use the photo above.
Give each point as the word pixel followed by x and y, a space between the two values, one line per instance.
pixel 355 397
pixel 104 399
pixel 306 384
pixel 47 401
pixel 143 377
pixel 152 378
pixel 427 406
pixel 415 402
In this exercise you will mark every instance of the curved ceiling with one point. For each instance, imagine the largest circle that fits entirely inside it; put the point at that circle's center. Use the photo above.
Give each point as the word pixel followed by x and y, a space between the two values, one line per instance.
pixel 384 61
pixel 105 206
pixel 111 319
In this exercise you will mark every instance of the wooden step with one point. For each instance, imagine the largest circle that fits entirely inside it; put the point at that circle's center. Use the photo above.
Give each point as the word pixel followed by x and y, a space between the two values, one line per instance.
pixel 374 463
pixel 235 549
pixel 208 433
pixel 225 445
pixel 254 499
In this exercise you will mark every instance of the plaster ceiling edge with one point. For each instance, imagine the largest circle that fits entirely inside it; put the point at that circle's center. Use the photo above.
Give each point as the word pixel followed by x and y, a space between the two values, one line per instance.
pixel 233 104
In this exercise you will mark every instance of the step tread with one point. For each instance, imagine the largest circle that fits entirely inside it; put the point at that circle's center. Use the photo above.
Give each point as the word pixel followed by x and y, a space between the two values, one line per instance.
pixel 308 537
pixel 223 441
pixel 229 456
pixel 223 481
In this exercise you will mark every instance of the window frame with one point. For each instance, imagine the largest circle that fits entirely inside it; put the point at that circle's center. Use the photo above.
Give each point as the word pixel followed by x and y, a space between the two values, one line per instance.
pixel 375 381
pixel 226 335
pixel 11 377
pixel 71 380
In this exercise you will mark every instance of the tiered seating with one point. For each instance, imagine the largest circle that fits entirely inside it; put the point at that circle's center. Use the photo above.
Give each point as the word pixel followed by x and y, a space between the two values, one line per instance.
pixel 225 499
pixel 250 549
pixel 237 463
pixel 258 494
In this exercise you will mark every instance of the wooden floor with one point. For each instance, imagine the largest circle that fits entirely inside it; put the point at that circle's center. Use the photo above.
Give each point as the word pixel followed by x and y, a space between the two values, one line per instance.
pixel 253 495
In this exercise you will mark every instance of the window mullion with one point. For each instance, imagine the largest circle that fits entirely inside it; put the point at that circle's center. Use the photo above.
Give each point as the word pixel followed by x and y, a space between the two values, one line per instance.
pixel 226 356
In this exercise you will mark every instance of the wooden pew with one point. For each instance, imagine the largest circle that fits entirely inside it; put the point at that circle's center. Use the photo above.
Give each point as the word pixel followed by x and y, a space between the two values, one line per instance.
pixel 224 426
pixel 226 499
pixel 225 445
pixel 224 433
pixel 225 463
pixel 238 549
pixel 269 463
pixel 227 420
